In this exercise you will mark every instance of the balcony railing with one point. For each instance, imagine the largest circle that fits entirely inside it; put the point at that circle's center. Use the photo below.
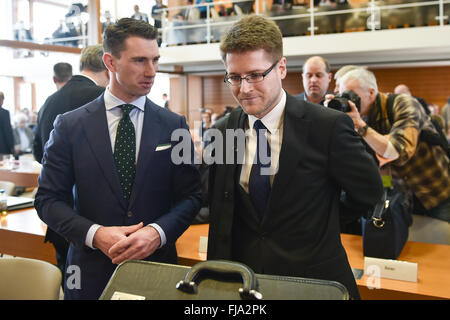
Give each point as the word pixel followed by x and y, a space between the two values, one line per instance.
pixel 180 26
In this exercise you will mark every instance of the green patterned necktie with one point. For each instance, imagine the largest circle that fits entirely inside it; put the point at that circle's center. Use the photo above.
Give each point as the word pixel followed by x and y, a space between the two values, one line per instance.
pixel 125 151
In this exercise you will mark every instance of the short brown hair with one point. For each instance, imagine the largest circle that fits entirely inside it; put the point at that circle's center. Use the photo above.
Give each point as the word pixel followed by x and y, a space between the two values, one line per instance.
pixel 62 71
pixel 253 33
pixel 115 34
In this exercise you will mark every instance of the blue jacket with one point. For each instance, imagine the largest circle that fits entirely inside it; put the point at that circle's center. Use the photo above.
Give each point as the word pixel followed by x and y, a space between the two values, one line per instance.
pixel 79 186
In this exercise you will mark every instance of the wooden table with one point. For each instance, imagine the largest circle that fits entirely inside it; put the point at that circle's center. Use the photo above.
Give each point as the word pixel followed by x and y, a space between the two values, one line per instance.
pixel 20 177
pixel 433 272
pixel 22 234
pixel 433 266
pixel 188 245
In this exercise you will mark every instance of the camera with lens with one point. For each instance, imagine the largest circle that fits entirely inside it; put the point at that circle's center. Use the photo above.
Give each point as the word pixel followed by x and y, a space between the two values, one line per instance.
pixel 340 102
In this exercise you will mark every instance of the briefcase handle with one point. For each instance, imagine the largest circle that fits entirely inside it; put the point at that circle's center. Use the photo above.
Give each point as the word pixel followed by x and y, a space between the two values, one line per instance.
pixel 249 280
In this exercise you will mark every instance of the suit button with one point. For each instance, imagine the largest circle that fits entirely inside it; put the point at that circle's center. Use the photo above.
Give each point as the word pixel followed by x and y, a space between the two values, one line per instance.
pixel 226 194
pixel 129 214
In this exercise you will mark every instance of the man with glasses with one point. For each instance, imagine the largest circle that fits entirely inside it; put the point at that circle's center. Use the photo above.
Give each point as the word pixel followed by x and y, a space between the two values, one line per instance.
pixel 276 208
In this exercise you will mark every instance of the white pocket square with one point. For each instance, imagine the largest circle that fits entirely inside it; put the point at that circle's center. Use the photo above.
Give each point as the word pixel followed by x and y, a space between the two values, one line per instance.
pixel 162 147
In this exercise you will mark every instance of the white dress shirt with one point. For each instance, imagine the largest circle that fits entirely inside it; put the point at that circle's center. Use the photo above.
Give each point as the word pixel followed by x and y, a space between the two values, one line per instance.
pixel 113 116
pixel 273 121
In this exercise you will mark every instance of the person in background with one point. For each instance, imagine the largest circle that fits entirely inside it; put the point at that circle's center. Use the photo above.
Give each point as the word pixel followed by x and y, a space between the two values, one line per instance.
pixel 6 133
pixel 62 72
pixel 139 15
pixel 23 135
pixel 445 113
pixel 399 143
pixel 32 123
pixel 80 89
pixel 108 183
pixel 276 209
pixel 189 13
pixel 316 77
pixel 403 89
pixel 341 71
pixel 203 9
pixel 166 100
pixel 157 16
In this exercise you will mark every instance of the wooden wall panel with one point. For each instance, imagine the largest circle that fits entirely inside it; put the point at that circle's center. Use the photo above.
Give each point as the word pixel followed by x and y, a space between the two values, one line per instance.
pixel 430 83
pixel 178 101
pixel 216 94
pixel 194 101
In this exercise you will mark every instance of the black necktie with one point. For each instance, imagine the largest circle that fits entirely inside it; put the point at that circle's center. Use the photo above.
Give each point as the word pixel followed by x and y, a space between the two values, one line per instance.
pixel 125 151
pixel 259 181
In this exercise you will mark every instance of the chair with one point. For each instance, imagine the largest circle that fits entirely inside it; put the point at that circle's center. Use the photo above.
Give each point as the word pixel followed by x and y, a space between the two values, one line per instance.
pixel 430 230
pixel 28 279
pixel 8 187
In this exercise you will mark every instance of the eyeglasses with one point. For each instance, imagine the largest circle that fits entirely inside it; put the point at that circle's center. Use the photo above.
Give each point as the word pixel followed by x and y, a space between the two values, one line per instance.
pixel 251 78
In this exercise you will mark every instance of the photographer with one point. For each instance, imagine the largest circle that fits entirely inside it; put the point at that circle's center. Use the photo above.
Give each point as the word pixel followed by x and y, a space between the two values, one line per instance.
pixel 395 127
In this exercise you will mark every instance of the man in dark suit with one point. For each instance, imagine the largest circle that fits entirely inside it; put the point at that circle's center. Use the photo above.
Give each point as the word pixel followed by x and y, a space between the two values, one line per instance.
pixel 276 209
pixel 108 182
pixel 62 72
pixel 6 133
pixel 77 91
pixel 316 77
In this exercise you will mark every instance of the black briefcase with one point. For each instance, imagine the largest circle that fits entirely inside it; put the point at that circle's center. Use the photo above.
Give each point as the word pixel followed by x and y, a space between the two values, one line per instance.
pixel 213 280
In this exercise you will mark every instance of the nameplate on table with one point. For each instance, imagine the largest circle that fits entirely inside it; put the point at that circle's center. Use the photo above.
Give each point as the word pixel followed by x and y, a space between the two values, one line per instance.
pixel 390 269
pixel 203 244
pixel 117 295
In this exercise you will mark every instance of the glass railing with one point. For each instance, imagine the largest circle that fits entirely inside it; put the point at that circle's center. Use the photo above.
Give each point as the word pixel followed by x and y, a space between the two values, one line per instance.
pixel 45 22
pixel 184 25
pixel 65 23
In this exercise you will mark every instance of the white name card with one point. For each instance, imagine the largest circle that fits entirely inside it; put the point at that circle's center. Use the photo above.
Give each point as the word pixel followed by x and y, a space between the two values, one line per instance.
pixel 203 245
pixel 390 269
pixel 117 295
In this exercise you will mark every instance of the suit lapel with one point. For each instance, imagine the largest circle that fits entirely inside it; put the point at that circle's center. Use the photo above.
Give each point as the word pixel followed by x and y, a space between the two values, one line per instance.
pixel 238 122
pixel 149 141
pixel 295 130
pixel 97 134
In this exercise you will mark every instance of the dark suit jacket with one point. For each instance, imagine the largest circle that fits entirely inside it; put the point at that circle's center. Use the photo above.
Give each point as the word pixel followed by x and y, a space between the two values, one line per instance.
pixel 78 91
pixel 79 157
pixel 299 234
pixel 6 134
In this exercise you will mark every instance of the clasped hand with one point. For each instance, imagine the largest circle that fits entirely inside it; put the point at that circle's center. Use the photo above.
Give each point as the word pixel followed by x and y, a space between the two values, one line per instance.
pixel 127 242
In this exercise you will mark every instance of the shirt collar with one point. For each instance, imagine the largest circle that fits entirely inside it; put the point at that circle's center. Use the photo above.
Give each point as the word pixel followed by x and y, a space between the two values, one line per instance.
pixel 271 120
pixel 86 76
pixel 112 101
